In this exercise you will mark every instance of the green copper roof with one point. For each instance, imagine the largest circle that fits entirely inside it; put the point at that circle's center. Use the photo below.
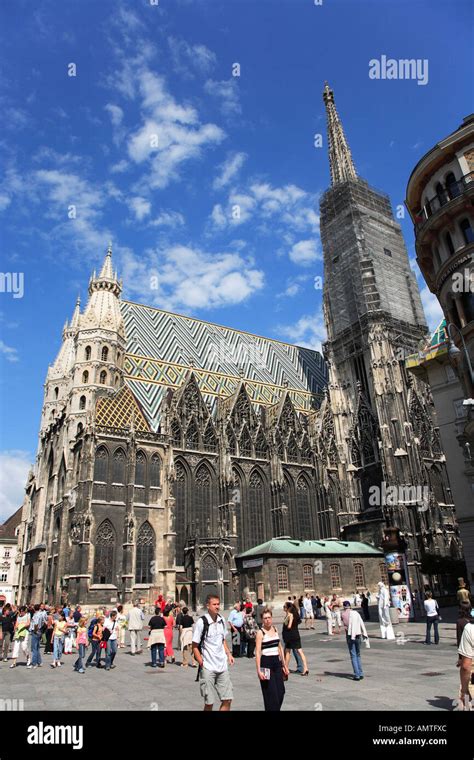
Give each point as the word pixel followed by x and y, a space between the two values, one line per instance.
pixel 439 335
pixel 435 346
pixel 288 546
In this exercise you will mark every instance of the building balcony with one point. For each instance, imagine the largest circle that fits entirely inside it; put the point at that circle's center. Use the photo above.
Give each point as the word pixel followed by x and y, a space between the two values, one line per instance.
pixel 445 200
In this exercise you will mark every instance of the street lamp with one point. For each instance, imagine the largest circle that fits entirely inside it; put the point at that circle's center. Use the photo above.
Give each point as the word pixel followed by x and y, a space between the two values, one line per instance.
pixel 454 353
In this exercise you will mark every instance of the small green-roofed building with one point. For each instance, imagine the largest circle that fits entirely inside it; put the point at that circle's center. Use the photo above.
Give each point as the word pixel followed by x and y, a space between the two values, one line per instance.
pixel 285 567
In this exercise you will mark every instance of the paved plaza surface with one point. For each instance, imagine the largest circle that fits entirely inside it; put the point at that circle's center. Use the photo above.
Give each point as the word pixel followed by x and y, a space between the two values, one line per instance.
pixel 398 676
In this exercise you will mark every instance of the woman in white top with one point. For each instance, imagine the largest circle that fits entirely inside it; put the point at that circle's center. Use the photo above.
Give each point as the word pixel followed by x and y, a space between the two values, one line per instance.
pixel 20 636
pixel 270 661
pixel 432 617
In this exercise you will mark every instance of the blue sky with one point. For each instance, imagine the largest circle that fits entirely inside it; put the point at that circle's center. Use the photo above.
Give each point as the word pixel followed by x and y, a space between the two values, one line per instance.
pixel 166 203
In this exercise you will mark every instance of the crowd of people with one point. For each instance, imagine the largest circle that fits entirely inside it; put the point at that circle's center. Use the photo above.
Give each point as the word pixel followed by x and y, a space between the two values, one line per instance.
pixel 202 643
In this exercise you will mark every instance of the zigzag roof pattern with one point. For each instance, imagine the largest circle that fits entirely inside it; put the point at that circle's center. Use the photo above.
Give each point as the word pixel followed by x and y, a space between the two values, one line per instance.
pixel 163 347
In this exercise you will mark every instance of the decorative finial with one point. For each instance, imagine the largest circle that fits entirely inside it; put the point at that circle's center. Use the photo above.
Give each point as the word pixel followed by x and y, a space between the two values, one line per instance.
pixel 109 249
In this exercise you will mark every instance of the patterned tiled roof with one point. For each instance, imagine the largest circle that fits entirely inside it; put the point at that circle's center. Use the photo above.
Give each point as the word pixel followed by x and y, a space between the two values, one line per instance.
pixel 119 410
pixel 163 347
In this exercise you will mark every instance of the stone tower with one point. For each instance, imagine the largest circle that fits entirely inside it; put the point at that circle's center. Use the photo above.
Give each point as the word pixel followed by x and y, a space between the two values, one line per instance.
pixel 381 421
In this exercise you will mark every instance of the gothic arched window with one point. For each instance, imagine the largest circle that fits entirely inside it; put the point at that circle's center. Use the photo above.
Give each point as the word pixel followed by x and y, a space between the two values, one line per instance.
pixel 155 468
pixel 203 499
pixel 61 481
pixel 104 553
pixel 176 434
pixel 306 451
pixel 49 494
pixel 82 403
pixel 180 511
pixel 245 444
pixel 118 466
pixel 85 377
pixel 105 354
pixel 103 377
pixel 101 464
pixel 292 450
pixel 56 392
pixel 287 498
pixel 145 554
pixel 140 469
pixel 192 435
pixel 209 568
pixel 210 440
pixel 87 353
pixel 437 485
pixel 256 508
pixel 261 449
pixel 236 494
pixel 303 510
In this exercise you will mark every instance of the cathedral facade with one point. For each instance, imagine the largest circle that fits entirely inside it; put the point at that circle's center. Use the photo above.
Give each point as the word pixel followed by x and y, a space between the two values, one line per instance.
pixel 169 446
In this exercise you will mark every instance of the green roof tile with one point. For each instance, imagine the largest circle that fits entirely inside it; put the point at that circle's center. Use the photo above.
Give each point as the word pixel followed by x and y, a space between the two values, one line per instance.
pixel 289 546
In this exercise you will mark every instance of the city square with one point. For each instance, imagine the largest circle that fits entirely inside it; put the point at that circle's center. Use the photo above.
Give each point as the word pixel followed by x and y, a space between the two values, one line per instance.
pixel 400 675
pixel 236 373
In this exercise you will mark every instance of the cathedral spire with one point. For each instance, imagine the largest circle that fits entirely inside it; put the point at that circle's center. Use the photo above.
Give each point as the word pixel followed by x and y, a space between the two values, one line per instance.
pixel 340 159
pixel 107 271
pixel 77 313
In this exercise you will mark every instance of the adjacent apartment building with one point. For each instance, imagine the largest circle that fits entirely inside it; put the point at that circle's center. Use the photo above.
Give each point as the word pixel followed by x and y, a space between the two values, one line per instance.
pixel 440 199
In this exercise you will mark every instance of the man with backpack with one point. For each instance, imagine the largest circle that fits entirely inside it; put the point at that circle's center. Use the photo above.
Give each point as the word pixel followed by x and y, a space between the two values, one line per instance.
pixel 213 656
pixel 95 630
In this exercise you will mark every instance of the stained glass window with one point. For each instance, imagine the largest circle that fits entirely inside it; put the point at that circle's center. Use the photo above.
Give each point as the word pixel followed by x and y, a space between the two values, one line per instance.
pixel 145 554
pixel 104 553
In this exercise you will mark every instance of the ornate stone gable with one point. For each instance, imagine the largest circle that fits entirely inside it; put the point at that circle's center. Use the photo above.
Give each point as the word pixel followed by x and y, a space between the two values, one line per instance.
pixel 364 434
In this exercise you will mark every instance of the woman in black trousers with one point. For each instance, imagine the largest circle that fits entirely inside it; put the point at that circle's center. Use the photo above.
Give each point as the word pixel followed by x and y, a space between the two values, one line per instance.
pixel 271 666
pixel 365 607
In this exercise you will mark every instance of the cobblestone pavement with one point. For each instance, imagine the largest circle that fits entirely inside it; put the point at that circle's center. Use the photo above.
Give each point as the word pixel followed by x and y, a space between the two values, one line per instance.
pixel 398 676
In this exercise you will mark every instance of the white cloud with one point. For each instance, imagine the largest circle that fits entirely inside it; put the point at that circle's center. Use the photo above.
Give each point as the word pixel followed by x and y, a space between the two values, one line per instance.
pixel 140 207
pixel 10 353
pixel 14 468
pixel 287 211
pixel 304 252
pixel 227 92
pixel 119 167
pixel 187 58
pixel 229 170
pixel 4 201
pixel 189 278
pixel 116 114
pixel 170 133
pixel 168 219
pixel 309 331
pixel 433 311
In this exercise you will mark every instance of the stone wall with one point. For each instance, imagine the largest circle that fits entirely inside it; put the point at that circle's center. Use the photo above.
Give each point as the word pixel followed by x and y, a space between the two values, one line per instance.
pixel 321 573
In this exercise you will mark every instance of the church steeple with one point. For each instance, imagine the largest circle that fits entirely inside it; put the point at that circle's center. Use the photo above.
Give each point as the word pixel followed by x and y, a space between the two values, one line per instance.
pixel 340 158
